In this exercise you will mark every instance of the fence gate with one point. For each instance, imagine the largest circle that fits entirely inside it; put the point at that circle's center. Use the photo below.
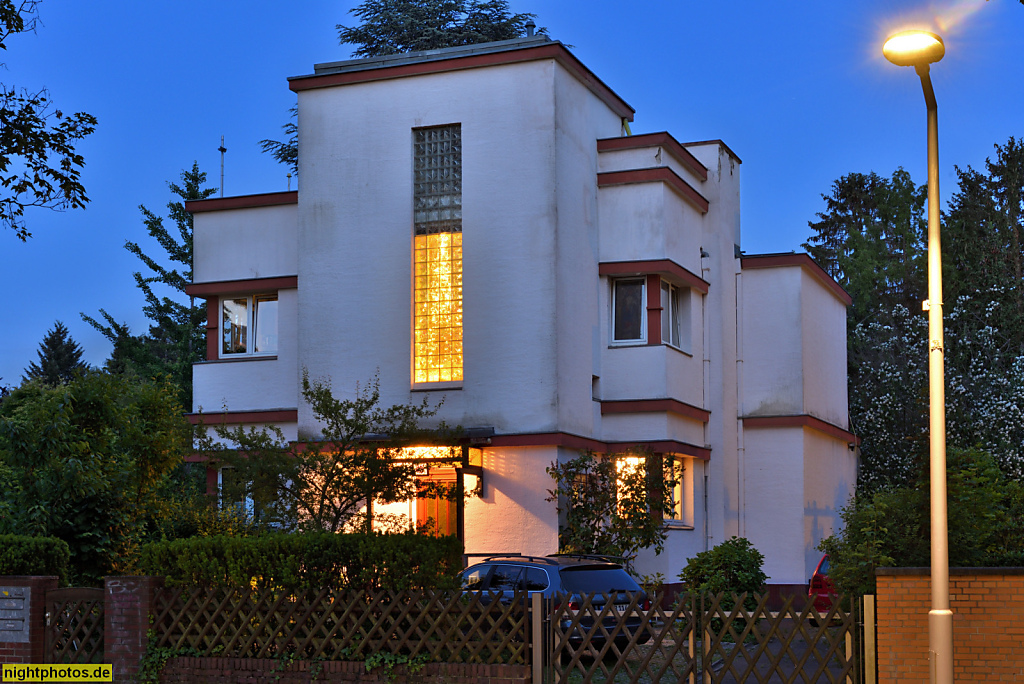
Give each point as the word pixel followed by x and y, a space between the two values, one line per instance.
pixel 707 639
pixel 74 625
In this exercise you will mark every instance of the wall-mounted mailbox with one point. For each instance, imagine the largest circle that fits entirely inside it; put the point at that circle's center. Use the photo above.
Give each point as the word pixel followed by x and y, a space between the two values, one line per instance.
pixel 14 612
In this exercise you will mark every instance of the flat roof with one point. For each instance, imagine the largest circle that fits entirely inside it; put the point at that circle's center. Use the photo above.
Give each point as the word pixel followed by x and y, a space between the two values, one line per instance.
pixel 533 48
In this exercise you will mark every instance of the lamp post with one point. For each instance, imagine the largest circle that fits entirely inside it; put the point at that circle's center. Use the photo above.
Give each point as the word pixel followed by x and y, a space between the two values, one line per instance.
pixel 919 49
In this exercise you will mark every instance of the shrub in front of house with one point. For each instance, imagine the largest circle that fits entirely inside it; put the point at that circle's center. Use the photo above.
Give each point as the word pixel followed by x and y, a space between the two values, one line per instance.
pixel 22 555
pixel 734 566
pixel 309 560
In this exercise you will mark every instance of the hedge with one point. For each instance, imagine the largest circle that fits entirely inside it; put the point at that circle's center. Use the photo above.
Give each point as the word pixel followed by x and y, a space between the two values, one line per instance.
pixel 21 555
pixel 311 560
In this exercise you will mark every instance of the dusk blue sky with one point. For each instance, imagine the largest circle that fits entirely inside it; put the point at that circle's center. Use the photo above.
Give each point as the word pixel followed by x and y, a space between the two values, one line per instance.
pixel 799 90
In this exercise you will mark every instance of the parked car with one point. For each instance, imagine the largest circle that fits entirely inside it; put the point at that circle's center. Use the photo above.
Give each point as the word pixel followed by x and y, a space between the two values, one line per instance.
pixel 820 588
pixel 566 579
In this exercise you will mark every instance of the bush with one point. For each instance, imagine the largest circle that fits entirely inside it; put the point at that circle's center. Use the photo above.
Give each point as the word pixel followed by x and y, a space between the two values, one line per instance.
pixel 20 555
pixel 732 566
pixel 311 560
pixel 892 527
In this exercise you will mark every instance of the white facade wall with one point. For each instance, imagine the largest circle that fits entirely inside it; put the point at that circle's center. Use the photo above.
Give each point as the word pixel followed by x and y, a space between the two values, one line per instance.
pixel 513 515
pixel 773 352
pixel 823 331
pixel 242 244
pixel 522 221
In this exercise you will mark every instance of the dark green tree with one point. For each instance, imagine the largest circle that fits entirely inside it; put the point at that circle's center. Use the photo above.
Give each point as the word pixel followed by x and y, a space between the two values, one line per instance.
pixel 84 462
pixel 176 339
pixel 870 239
pixel 60 358
pixel 39 166
pixel 392 26
pixel 891 527
pixel 286 152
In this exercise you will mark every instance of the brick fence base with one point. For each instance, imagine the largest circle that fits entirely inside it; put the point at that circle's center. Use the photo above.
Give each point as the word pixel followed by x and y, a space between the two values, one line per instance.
pixel 988 627
pixel 266 671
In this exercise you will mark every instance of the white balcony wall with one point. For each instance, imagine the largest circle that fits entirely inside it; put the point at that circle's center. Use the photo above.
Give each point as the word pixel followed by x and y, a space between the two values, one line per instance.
pixel 242 244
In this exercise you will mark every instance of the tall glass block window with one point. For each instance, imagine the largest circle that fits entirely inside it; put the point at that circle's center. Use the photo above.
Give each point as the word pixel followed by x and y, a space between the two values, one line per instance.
pixel 437 254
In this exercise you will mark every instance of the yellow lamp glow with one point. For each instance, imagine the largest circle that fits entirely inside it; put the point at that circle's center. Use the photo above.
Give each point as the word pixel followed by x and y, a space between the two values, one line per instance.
pixel 913 48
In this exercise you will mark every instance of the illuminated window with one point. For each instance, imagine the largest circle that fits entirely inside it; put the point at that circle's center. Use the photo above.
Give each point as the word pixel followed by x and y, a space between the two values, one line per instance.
pixel 632 476
pixel 437 254
pixel 249 325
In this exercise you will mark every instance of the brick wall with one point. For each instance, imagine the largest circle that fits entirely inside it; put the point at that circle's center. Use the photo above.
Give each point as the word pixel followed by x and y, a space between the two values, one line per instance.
pixel 265 671
pixel 127 605
pixel 988 624
pixel 32 650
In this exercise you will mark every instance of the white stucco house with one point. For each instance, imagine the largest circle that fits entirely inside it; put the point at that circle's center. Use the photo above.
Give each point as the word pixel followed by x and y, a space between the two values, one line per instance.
pixel 478 223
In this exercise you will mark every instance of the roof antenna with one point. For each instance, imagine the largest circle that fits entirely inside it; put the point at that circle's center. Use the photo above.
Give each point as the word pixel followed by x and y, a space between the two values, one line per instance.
pixel 222 150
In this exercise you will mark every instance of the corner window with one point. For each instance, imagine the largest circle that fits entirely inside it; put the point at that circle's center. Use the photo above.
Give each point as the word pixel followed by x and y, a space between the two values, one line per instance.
pixel 628 310
pixel 670 315
pixel 249 325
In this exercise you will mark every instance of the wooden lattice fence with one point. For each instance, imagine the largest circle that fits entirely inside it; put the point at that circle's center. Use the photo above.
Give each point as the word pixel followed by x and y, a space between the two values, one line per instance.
pixel 439 626
pixel 74 626
pixel 701 640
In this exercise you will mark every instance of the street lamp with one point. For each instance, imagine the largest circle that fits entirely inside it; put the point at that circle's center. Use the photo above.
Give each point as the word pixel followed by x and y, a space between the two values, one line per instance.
pixel 919 49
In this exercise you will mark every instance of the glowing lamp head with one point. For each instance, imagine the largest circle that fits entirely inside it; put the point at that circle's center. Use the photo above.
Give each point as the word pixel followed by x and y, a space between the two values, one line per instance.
pixel 913 48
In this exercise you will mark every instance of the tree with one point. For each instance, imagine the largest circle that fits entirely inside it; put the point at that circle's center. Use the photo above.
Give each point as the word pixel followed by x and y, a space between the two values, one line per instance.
pixel 85 462
pixel 39 166
pixel 177 337
pixel 613 504
pixel 327 483
pixel 60 358
pixel 870 239
pixel 393 26
pixel 286 152
pixel 891 527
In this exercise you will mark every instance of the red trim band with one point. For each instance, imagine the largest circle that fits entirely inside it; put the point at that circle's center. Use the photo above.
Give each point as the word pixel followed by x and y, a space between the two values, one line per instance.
pixel 212 326
pixel 653 308
pixel 655 174
pixel 568 441
pixel 251 285
pixel 655 406
pixel 802 421
pixel 659 266
pixel 663 139
pixel 554 51
pixel 267 199
pixel 802 260
pixel 238 417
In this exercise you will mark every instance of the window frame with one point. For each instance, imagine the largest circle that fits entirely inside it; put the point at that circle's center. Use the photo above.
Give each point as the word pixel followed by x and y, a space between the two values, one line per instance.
pixel 633 341
pixel 252 300
pixel 670 314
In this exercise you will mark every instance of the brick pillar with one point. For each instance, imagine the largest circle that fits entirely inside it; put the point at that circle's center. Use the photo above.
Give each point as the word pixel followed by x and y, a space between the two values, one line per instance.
pixel 128 605
pixel 23 600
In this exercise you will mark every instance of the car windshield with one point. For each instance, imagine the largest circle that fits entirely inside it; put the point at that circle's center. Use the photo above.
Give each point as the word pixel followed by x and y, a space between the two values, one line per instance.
pixel 584 580
pixel 823 568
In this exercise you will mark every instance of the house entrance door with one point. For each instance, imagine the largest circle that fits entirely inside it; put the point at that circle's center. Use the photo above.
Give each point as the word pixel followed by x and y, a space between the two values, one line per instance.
pixel 435 506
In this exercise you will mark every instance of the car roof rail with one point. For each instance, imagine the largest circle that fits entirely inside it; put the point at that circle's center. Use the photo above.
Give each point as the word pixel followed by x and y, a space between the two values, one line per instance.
pixel 513 558
pixel 618 560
